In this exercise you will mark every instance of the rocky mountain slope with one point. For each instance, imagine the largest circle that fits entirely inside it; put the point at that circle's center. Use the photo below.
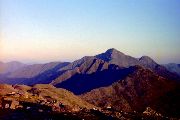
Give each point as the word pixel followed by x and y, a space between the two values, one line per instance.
pixel 114 56
pixel 17 96
pixel 104 69
pixel 47 102
pixel 138 90
pixel 80 82
pixel 85 66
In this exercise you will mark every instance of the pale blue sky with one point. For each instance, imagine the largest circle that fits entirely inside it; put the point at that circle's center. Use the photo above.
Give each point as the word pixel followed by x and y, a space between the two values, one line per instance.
pixel 65 30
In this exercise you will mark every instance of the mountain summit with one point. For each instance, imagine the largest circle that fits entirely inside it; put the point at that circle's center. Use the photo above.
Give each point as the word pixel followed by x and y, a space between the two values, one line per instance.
pixel 114 56
pixel 110 54
pixel 148 62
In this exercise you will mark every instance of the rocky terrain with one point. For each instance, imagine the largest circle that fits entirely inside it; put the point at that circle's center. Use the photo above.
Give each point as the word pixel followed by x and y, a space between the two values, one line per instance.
pixel 42 94
pixel 110 85
pixel 44 102
pixel 143 88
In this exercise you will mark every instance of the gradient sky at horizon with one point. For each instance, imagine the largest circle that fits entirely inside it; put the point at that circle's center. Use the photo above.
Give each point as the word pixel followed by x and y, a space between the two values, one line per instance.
pixel 66 30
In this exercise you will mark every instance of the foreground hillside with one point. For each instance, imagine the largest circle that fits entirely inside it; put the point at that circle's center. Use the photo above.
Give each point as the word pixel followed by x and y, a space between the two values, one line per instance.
pixel 42 102
pixel 40 94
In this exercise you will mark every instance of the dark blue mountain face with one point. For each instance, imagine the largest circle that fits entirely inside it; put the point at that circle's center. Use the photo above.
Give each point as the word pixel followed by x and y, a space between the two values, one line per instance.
pixel 82 83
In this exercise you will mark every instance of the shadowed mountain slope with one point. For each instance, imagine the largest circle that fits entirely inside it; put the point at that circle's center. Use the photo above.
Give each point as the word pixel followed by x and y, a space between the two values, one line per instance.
pixel 81 83
pixel 138 90
pixel 102 70
pixel 86 65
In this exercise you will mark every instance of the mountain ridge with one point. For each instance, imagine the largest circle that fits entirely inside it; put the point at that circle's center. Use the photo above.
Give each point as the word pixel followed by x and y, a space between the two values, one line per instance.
pixel 85 65
pixel 10 66
pixel 173 67
pixel 138 90
pixel 110 80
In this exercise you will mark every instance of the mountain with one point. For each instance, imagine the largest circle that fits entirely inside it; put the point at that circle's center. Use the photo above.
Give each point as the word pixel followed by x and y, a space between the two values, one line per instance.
pixel 91 72
pixel 111 80
pixel 172 67
pixel 79 82
pixel 10 66
pixel 140 89
pixel 34 74
pixel 35 69
pixel 116 57
pixel 57 72
pixel 148 62
pixel 85 65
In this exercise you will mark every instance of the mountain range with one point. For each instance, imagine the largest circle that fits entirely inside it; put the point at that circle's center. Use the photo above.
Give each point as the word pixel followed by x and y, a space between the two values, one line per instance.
pixel 10 66
pixel 172 67
pixel 56 72
pixel 108 80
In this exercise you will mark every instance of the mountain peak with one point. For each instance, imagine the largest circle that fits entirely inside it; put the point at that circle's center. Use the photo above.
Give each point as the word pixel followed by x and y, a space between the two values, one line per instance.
pixel 113 51
pixel 110 54
pixel 114 56
pixel 148 62
pixel 146 58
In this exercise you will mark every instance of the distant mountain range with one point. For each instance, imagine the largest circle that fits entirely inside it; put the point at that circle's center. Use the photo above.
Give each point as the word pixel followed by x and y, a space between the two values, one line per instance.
pixel 56 72
pixel 10 66
pixel 108 79
pixel 172 67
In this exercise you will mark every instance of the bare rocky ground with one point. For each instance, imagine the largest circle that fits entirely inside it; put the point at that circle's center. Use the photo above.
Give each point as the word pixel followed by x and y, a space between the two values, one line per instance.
pixel 45 102
pixel 22 114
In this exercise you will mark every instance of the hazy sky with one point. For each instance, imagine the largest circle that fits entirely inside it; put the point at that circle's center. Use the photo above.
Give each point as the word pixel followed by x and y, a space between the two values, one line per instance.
pixel 65 30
